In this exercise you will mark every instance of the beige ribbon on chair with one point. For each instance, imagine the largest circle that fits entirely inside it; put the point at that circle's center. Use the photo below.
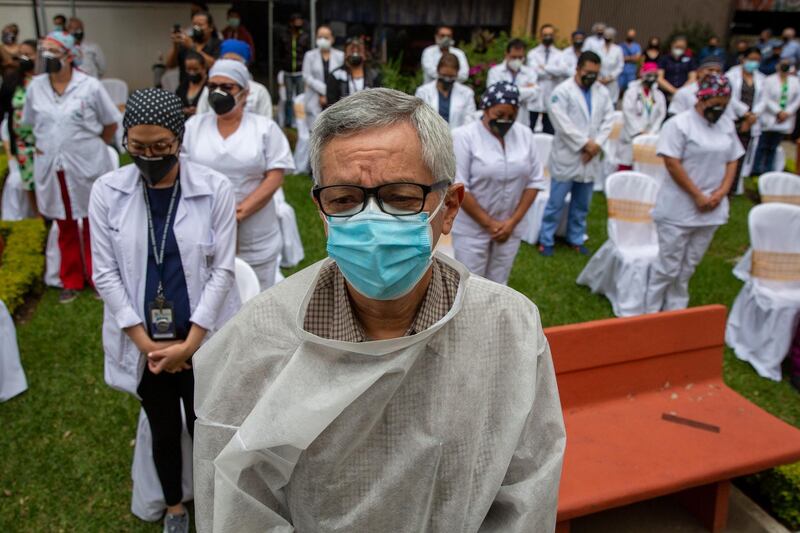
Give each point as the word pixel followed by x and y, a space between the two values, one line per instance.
pixel 778 266
pixel 629 210
pixel 616 131
pixel 646 154
pixel 781 198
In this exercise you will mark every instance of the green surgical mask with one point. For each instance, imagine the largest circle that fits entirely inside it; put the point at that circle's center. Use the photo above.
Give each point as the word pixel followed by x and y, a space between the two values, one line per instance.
pixel 234 22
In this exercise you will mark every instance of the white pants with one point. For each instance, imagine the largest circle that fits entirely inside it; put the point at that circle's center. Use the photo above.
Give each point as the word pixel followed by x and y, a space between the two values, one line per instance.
pixel 485 257
pixel 681 248
pixel 265 272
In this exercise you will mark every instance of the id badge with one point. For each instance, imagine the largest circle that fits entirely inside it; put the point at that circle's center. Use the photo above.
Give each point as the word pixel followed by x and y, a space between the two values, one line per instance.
pixel 162 321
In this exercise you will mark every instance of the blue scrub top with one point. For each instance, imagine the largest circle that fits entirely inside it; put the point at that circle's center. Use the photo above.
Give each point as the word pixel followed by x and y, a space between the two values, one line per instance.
pixel 676 71
pixel 444 104
pixel 174 281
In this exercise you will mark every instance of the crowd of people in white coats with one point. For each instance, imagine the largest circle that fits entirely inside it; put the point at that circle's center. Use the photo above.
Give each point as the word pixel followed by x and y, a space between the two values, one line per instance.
pixel 166 241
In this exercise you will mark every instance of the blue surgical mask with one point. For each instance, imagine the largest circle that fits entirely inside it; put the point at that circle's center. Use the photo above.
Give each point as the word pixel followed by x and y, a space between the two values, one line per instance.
pixel 382 256
pixel 751 66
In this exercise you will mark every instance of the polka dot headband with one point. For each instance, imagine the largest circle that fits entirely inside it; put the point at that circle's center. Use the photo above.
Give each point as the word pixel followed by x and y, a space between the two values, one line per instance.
pixel 502 92
pixel 713 85
pixel 155 107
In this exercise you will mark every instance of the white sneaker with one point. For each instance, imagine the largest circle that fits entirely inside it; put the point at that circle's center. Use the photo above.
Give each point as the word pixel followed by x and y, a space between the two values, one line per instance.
pixel 177 523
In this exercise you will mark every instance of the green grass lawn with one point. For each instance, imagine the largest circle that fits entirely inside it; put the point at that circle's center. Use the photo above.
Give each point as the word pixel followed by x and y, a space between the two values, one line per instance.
pixel 66 444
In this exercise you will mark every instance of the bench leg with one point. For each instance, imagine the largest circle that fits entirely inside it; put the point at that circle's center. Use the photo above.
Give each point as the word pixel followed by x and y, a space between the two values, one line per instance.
pixel 708 503
pixel 562 527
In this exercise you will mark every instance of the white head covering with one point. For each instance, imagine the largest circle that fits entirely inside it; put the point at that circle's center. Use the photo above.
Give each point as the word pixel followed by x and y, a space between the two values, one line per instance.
pixel 231 69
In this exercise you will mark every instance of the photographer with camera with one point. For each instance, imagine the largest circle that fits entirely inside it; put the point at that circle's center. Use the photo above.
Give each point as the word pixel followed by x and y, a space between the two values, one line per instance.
pixel 201 38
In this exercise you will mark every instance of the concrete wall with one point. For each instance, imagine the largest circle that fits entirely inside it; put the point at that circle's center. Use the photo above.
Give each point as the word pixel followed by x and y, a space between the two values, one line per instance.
pixel 131 34
pixel 563 14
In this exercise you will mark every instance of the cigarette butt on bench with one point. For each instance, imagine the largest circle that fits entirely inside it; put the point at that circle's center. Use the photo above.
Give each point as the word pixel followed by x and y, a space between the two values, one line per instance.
pixel 689 422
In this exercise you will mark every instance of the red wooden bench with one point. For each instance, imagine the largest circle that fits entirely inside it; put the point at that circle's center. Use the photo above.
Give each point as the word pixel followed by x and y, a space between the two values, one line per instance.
pixel 647 415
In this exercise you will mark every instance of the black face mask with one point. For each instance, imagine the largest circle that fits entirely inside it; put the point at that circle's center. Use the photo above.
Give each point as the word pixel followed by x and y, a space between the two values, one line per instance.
pixel 9 37
pixel 446 83
pixel 577 45
pixel 221 102
pixel 784 67
pixel 587 80
pixel 649 80
pixel 194 78
pixel 198 34
pixel 78 35
pixel 713 113
pixel 154 169
pixel 52 65
pixel 26 64
pixel 355 60
pixel 548 40
pixel 501 126
pixel 629 39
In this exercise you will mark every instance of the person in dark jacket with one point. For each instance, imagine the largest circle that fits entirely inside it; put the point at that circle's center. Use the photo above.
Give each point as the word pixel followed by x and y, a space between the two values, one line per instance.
pixel 354 76
pixel 292 44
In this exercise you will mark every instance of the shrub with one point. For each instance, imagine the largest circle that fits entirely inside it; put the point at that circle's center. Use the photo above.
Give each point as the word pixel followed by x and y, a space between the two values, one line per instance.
pixel 485 50
pixel 22 264
pixel 697 34
pixel 780 489
pixel 393 78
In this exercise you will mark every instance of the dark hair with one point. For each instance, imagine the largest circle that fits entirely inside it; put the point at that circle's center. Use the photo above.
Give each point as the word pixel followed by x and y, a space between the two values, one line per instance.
pixel 546 25
pixel 679 38
pixel 578 33
pixel 514 44
pixel 234 9
pixel 449 60
pixel 62 17
pixel 295 16
pixel 207 15
pixel 202 5
pixel 440 26
pixel 30 42
pixel 191 54
pixel 588 57
pixel 752 50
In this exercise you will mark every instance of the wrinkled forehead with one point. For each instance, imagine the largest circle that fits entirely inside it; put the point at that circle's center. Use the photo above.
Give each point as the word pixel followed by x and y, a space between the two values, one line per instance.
pixel 374 156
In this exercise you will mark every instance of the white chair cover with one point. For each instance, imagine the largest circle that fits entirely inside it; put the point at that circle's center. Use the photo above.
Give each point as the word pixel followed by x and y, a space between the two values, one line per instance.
pixel 765 313
pixel 280 78
pixel 170 80
pixel 611 161
pixel 302 120
pixel 620 268
pixel 780 187
pixel 532 223
pixel 15 205
pixel 645 159
pixel 779 164
pixel 246 281
pixel 117 89
pixel 292 251
pixel 147 500
pixel 12 376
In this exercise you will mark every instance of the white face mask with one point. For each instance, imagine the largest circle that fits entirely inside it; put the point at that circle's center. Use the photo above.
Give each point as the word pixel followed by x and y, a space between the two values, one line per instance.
pixel 515 64
pixel 323 43
pixel 677 52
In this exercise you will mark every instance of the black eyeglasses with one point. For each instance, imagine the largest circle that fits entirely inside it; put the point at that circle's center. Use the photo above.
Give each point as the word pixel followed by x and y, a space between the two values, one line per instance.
pixel 227 87
pixel 397 199
pixel 156 149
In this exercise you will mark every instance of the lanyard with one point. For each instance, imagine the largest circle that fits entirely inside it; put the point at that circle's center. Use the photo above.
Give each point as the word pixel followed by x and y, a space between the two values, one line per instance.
pixel 784 94
pixel 159 255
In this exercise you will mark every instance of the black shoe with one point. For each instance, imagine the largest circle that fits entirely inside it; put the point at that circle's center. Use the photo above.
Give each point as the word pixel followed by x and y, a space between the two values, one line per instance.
pixel 795 381
pixel 67 296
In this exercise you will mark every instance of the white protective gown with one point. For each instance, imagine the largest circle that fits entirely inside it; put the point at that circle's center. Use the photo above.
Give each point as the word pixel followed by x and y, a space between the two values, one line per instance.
pixel 496 178
pixel 430 62
pixel 257 146
pixel 684 232
pixel 525 80
pixel 642 114
pixel 67 130
pixel 575 126
pixel 258 100
pixel 546 63
pixel 612 63
pixel 456 428
pixel 314 79
pixel 462 102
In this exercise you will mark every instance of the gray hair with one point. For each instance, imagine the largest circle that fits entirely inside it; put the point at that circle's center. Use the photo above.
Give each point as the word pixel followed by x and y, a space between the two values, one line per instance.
pixel 377 108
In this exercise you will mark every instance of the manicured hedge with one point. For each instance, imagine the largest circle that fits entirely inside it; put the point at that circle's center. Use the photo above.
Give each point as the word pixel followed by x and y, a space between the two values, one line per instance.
pixel 22 264
pixel 779 489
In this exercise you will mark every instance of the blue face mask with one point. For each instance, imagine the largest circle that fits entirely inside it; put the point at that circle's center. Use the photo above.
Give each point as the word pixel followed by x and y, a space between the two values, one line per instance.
pixel 382 256
pixel 751 66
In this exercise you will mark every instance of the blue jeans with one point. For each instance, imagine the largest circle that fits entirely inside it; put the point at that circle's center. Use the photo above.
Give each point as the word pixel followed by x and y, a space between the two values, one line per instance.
pixel 578 209
pixel 765 152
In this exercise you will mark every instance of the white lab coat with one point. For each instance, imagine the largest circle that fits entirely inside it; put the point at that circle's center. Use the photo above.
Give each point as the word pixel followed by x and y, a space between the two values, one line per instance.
pixel 257 146
pixel 462 102
pixel 638 119
pixel 205 229
pixel 772 97
pixel 526 82
pixel 496 177
pixel 67 130
pixel 548 73
pixel 430 63
pixel 575 127
pixel 612 62
pixel 93 61
pixel 593 43
pixel 734 76
pixel 566 66
pixel 258 101
pixel 314 79
pixel 456 428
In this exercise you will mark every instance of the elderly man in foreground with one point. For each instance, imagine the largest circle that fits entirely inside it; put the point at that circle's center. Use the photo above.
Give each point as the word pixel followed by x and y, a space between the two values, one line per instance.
pixel 384 388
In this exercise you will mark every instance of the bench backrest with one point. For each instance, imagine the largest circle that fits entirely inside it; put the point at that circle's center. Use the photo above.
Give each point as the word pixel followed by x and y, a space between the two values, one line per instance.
pixel 621 357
